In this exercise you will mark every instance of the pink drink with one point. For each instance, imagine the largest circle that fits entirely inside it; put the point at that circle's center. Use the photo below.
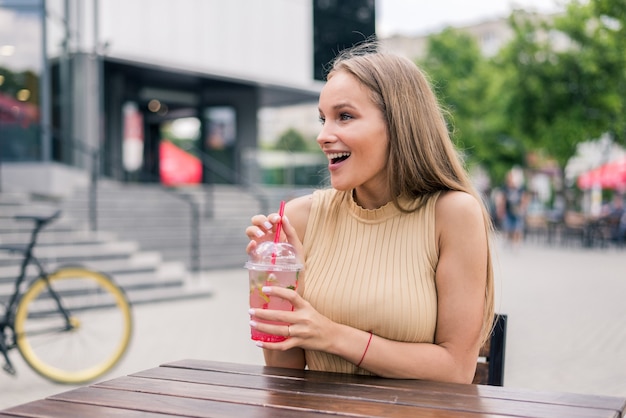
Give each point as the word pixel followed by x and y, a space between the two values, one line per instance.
pixel 259 300
pixel 271 264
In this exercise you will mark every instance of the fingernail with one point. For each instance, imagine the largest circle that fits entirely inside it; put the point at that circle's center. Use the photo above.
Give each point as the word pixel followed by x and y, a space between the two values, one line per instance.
pixel 267 225
pixel 266 289
pixel 253 324
pixel 251 312
pixel 258 344
pixel 259 233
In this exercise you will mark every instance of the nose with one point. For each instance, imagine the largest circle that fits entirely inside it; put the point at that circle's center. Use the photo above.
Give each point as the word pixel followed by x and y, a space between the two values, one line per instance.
pixel 326 135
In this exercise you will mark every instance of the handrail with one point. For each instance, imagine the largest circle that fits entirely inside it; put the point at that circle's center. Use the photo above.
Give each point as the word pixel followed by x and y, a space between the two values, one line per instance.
pixel 217 167
pixel 94 155
pixel 194 227
pixel 209 163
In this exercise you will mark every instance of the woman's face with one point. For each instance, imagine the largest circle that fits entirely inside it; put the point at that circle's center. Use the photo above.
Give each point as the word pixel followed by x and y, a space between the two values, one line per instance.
pixel 354 138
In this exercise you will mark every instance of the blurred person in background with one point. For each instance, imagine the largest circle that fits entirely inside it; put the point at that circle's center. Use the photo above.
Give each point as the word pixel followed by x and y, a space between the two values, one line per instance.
pixel 512 204
pixel 614 216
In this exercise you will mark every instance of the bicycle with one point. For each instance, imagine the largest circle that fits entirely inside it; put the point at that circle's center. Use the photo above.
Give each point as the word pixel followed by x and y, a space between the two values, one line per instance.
pixel 70 326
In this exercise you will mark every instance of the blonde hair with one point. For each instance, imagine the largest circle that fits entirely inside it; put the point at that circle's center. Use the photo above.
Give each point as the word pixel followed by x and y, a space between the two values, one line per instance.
pixel 421 157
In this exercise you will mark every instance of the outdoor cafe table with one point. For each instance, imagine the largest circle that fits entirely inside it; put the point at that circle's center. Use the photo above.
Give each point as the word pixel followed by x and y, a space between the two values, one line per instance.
pixel 195 388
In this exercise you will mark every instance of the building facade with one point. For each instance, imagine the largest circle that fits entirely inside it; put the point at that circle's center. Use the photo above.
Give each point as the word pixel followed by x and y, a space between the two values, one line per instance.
pixel 99 84
pixel 490 36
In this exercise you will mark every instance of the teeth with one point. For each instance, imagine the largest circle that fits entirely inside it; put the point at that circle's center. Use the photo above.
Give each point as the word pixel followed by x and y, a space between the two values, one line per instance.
pixel 335 155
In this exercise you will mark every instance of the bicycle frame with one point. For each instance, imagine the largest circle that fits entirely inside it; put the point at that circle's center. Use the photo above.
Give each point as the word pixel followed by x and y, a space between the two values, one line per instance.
pixel 28 258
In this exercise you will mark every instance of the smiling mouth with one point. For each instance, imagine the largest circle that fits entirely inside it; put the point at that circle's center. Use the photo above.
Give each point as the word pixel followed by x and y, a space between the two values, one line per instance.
pixel 338 157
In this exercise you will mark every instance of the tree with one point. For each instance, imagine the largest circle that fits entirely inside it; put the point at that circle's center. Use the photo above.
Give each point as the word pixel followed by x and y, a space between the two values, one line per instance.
pixel 570 92
pixel 291 140
pixel 471 89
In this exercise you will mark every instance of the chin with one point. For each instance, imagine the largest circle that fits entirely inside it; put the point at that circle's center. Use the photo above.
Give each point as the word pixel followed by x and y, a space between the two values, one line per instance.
pixel 340 186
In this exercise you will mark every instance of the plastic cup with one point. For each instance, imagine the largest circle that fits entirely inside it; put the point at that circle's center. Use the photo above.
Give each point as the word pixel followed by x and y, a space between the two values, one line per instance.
pixel 271 264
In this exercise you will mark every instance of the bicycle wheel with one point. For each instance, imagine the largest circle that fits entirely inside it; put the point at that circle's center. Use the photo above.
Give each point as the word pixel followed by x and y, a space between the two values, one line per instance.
pixel 89 341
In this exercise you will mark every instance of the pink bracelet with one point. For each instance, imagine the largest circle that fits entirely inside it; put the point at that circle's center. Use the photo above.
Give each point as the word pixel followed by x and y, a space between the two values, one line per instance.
pixel 365 352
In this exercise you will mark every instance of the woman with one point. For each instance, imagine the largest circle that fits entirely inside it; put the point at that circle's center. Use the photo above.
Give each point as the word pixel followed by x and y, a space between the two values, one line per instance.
pixel 398 280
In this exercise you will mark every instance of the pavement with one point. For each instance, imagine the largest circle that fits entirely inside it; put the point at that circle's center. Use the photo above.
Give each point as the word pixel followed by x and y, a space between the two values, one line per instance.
pixel 566 324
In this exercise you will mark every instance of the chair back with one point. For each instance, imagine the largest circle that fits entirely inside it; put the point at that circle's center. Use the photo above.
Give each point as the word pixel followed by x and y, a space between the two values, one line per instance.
pixel 490 367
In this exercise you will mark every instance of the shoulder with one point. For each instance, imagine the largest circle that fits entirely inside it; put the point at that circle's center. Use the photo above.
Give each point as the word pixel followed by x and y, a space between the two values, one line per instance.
pixel 455 203
pixel 298 211
pixel 458 211
pixel 300 203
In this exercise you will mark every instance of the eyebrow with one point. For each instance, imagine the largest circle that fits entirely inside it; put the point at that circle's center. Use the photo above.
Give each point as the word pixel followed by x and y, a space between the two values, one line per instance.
pixel 340 105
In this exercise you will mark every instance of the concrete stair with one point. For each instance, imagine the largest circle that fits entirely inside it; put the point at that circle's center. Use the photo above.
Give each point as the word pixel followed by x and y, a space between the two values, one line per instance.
pixel 144 234
pixel 160 219
pixel 143 274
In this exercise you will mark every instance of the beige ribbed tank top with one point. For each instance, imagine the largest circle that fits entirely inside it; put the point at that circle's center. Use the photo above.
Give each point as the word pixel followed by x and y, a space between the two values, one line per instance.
pixel 370 269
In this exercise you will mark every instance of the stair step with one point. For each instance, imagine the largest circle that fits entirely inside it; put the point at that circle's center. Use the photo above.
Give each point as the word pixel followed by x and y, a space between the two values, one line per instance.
pixel 152 225
pixel 165 295
pixel 51 237
pixel 67 253
pixel 169 274
pixel 136 295
pixel 138 262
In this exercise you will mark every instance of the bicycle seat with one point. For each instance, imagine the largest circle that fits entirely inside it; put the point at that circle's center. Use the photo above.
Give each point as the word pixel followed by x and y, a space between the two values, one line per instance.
pixel 40 219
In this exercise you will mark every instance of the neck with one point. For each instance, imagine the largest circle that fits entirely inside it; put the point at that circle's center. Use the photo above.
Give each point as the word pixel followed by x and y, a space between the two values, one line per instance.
pixel 368 200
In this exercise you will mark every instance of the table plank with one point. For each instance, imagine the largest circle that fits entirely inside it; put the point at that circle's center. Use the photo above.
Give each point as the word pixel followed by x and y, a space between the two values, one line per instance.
pixel 613 405
pixel 196 388
pixel 296 401
pixel 51 408
pixel 172 405
pixel 573 399
pixel 332 397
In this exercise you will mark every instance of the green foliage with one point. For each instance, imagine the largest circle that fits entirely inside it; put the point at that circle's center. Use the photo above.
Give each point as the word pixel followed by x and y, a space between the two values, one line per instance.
pixel 291 140
pixel 557 83
pixel 473 89
pixel 564 94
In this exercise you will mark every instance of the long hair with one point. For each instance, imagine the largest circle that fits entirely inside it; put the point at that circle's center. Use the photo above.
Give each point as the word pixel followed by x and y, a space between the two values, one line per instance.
pixel 421 157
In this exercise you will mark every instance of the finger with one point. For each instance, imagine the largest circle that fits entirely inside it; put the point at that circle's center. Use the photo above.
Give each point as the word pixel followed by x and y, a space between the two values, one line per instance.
pixel 285 345
pixel 289 295
pixel 281 330
pixel 274 219
pixel 290 235
pixel 273 315
pixel 254 232
pixel 290 231
pixel 263 222
pixel 251 246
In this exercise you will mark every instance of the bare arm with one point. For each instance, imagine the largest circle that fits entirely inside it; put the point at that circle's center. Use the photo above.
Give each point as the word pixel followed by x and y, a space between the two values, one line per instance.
pixel 461 280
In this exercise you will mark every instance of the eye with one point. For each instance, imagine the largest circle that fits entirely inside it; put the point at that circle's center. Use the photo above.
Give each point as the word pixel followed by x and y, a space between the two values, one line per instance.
pixel 322 119
pixel 345 116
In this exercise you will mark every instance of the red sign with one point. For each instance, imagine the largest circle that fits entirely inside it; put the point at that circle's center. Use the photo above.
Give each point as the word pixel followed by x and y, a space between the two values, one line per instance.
pixel 177 166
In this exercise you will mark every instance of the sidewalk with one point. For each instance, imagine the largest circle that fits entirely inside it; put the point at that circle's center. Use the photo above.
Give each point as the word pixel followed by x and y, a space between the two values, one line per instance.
pixel 566 310
pixel 566 318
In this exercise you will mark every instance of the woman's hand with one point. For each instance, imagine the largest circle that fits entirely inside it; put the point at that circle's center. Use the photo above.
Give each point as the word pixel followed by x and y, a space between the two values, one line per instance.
pixel 263 229
pixel 307 329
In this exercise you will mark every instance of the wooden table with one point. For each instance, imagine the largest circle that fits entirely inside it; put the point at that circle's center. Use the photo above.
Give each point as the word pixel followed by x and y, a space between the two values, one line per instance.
pixel 194 388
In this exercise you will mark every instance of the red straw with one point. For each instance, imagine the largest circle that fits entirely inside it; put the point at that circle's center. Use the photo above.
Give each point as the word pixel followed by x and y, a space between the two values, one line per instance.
pixel 281 211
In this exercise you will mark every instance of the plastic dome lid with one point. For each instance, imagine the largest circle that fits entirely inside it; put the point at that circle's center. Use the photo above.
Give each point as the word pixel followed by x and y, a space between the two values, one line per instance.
pixel 279 256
